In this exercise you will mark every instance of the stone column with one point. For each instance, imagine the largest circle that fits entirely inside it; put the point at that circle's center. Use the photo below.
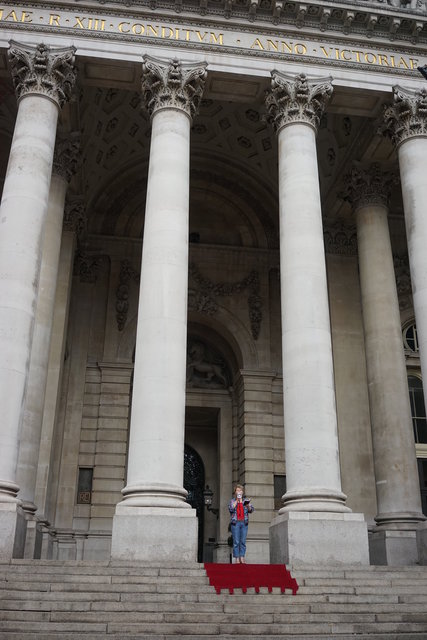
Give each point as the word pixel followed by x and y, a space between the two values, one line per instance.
pixel 406 124
pixel 64 164
pixel 43 80
pixel 314 525
pixel 397 485
pixel 74 223
pixel 154 522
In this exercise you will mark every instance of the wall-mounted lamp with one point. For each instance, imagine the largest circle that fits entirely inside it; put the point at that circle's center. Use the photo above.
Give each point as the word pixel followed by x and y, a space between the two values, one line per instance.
pixel 207 496
pixel 423 71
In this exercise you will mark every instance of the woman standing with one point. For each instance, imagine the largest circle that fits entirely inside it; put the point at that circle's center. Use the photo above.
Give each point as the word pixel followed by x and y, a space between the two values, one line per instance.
pixel 239 507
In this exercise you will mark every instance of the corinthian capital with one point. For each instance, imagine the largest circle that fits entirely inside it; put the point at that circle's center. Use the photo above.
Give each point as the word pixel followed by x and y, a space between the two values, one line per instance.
pixel 407 116
pixel 42 70
pixel 369 186
pixel 66 155
pixel 296 99
pixel 171 84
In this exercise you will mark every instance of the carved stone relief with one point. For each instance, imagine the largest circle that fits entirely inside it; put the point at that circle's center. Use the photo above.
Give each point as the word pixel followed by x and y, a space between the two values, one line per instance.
pixel 205 296
pixel 201 299
pixel 206 368
pixel 403 282
pixel 126 276
pixel 340 239
pixel 66 155
pixel 86 267
pixel 75 216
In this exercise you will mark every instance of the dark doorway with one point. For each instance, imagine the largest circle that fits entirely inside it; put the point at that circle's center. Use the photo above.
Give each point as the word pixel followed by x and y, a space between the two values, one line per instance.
pixel 194 483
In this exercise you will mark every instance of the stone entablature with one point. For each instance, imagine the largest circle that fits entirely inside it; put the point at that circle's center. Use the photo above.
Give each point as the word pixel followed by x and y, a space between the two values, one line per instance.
pixel 285 37
pixel 389 18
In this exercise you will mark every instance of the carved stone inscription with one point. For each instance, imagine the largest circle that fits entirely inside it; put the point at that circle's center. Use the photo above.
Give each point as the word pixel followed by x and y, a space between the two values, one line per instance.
pixel 279 44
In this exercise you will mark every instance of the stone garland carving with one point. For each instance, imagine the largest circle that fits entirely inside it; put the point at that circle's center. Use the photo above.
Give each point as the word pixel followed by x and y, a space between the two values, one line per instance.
pixel 407 116
pixel 172 84
pixel 42 70
pixel 127 274
pixel 340 239
pixel 368 186
pixel 75 216
pixel 204 299
pixel 403 282
pixel 296 99
pixel 66 155
pixel 206 369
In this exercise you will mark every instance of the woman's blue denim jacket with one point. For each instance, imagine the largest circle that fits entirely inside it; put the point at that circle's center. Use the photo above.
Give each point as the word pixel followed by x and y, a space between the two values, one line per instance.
pixel 233 511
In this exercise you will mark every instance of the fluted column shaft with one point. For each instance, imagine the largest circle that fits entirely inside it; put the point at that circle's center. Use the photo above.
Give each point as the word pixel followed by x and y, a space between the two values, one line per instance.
pixel 41 91
pixel 406 121
pixel 311 440
pixel 156 446
pixel 397 486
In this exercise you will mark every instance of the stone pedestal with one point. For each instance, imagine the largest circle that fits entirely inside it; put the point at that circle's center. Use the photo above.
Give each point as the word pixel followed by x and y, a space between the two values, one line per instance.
pixel 393 547
pixel 12 531
pixel 33 537
pixel 303 537
pixel 154 534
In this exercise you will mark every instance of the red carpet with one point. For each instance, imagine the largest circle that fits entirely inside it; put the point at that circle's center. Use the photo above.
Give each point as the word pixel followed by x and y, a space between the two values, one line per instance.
pixel 243 576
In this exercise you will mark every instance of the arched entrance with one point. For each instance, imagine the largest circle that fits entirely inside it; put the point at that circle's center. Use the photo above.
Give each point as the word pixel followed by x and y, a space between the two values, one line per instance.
pixel 194 483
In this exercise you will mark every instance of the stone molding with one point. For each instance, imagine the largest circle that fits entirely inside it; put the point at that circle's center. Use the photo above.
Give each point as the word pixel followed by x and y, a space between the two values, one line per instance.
pixel 407 117
pixel 42 70
pixel 369 186
pixel 66 155
pixel 75 216
pixel 171 84
pixel 340 239
pixel 296 99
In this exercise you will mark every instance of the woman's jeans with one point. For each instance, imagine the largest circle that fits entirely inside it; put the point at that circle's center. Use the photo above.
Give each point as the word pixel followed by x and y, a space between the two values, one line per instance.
pixel 239 531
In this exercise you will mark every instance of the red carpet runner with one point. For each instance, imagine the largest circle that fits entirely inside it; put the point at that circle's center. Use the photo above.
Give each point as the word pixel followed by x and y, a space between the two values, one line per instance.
pixel 243 576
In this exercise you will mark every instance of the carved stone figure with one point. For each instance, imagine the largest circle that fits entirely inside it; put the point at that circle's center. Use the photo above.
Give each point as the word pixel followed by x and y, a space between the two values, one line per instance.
pixel 201 370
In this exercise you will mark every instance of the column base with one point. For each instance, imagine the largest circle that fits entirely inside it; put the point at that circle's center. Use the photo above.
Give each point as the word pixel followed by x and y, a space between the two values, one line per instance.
pixel 13 527
pixel 33 539
pixel 393 547
pixel 319 538
pixel 154 534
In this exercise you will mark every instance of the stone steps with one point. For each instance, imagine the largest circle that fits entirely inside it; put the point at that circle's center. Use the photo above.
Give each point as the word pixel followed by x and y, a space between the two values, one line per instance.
pixel 53 600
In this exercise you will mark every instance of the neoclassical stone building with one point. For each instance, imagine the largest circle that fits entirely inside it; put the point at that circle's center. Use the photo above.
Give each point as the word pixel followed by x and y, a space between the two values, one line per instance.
pixel 213 268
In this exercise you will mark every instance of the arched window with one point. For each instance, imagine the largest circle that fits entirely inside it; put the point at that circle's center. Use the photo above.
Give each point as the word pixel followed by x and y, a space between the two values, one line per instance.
pixel 418 410
pixel 410 339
